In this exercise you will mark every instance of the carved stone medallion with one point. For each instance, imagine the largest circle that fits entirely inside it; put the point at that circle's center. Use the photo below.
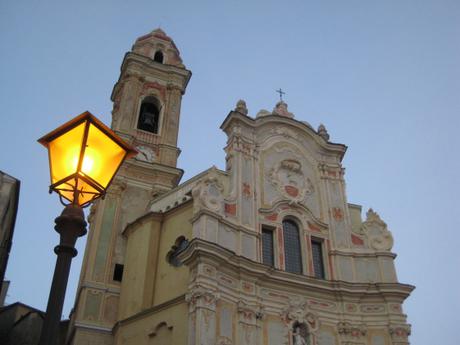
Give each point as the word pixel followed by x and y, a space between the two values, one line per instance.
pixel 288 178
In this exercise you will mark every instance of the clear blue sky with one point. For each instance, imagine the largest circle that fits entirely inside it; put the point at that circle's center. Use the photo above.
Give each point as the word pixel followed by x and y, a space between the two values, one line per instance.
pixel 383 76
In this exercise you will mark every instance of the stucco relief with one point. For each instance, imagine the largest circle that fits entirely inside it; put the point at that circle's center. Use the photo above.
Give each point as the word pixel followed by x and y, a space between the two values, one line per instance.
pixel 298 312
pixel 200 296
pixel 352 333
pixel 248 316
pixel 285 132
pixel 376 230
pixel 224 341
pixel 399 333
pixel 289 176
pixel 249 313
pixel 209 193
pixel 146 154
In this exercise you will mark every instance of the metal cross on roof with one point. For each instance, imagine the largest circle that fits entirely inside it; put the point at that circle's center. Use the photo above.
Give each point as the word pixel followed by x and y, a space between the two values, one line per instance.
pixel 281 92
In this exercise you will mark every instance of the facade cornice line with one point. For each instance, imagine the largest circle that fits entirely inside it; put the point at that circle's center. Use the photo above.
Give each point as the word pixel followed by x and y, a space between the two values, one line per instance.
pixel 368 253
pixel 93 327
pixel 268 275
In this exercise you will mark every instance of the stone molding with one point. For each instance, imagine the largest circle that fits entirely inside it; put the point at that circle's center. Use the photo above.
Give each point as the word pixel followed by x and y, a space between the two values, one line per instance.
pixel 201 297
pixel 199 248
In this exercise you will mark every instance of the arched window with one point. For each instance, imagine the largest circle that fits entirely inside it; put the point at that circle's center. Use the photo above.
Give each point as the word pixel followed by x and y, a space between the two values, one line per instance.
pixel 158 57
pixel 292 255
pixel 149 115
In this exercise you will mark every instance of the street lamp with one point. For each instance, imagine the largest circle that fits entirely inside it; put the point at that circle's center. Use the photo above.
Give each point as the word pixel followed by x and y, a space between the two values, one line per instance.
pixel 84 155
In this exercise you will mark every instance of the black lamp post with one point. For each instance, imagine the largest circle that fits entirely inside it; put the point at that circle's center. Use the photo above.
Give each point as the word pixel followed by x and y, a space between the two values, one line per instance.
pixel 84 156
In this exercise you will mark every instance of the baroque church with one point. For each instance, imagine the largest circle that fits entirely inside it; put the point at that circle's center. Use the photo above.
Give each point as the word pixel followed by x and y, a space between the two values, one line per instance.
pixel 267 252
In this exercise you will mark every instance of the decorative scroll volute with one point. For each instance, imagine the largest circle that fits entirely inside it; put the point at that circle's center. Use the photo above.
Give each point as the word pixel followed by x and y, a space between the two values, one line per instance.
pixel 376 230
pixel 209 193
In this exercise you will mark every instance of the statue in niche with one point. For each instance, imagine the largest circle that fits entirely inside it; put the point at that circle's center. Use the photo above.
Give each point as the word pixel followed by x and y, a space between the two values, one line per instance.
pixel 300 334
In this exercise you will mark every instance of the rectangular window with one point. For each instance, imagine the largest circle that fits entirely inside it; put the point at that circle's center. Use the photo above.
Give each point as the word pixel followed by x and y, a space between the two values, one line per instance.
pixel 318 264
pixel 118 272
pixel 267 247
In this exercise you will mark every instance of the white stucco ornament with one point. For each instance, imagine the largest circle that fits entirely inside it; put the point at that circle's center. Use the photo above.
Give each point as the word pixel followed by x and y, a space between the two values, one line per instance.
pixel 146 154
pixel 209 193
pixel 298 312
pixel 288 178
pixel 376 230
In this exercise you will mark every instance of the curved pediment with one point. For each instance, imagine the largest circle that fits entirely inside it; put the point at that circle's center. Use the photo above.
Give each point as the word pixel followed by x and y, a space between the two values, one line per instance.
pixel 282 127
pixel 283 208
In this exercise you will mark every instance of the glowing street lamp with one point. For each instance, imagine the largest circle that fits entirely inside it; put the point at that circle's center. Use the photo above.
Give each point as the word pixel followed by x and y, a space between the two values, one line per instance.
pixel 84 156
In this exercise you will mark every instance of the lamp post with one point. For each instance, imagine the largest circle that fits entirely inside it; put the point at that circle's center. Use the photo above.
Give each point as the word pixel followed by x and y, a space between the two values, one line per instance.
pixel 84 156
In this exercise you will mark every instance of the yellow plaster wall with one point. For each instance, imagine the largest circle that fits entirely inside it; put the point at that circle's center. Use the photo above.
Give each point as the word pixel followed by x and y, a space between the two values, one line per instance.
pixel 172 281
pixel 140 262
pixel 144 329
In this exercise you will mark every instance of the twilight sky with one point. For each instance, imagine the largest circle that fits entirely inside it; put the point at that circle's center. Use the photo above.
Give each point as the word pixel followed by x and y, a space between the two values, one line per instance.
pixel 383 76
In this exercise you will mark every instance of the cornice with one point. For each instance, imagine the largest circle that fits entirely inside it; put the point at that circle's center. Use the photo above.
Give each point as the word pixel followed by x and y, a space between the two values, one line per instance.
pixel 363 253
pixel 269 276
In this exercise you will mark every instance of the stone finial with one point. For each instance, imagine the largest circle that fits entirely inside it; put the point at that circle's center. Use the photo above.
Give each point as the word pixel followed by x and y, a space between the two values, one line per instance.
pixel 281 110
pixel 371 215
pixel 322 132
pixel 241 107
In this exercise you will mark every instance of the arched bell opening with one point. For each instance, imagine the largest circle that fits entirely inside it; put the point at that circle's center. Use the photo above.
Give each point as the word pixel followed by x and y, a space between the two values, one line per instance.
pixel 158 57
pixel 149 115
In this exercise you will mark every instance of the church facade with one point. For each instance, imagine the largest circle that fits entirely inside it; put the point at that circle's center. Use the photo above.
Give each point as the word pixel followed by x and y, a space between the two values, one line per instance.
pixel 268 251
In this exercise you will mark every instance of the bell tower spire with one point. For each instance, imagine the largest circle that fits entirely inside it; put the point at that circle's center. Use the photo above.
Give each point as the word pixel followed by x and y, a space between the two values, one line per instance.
pixel 146 110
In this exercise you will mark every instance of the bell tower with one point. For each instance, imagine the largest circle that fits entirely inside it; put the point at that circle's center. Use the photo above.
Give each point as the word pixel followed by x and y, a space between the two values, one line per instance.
pixel 146 110
pixel 147 100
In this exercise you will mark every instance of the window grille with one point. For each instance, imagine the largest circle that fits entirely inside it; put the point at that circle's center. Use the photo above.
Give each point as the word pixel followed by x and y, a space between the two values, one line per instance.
pixel 267 247
pixel 318 264
pixel 292 256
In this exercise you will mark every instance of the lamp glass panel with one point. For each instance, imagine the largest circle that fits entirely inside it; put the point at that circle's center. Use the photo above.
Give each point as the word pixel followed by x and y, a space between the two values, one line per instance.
pixel 102 156
pixel 86 191
pixel 64 153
